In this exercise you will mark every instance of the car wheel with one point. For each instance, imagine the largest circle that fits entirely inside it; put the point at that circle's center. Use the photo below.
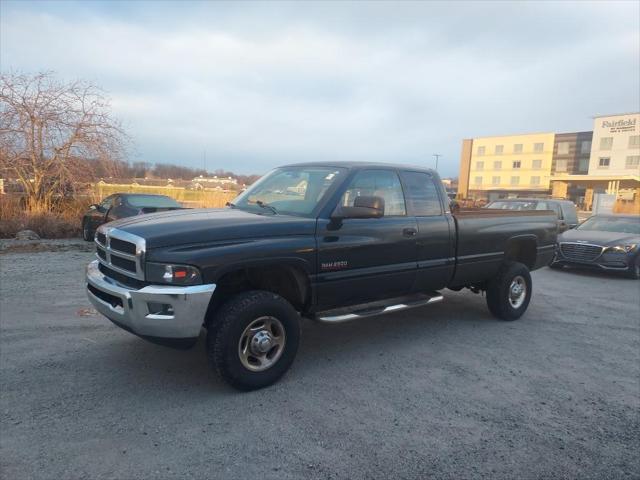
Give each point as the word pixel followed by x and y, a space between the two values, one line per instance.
pixel 509 293
pixel 86 232
pixel 253 339
pixel 634 270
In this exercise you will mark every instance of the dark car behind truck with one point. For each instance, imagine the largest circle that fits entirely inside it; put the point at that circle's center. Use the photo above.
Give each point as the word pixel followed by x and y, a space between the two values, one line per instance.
pixel 330 242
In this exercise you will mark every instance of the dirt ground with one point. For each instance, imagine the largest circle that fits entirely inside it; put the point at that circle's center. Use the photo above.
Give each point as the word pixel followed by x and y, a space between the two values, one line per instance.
pixel 444 391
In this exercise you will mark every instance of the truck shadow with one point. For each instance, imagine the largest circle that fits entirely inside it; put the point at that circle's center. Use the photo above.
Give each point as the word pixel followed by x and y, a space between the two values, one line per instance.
pixel 140 368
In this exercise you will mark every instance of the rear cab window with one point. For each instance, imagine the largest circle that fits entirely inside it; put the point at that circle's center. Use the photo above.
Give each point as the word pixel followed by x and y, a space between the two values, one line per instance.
pixel 421 194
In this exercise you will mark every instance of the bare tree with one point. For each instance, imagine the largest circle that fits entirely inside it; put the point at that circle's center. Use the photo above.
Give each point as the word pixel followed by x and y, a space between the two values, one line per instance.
pixel 54 135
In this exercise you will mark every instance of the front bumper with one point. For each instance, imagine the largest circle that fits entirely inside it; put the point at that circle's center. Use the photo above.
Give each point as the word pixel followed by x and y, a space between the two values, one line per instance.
pixel 607 260
pixel 137 311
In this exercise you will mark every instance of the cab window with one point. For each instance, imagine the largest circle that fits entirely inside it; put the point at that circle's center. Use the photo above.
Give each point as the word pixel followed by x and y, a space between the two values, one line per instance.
pixel 380 183
pixel 422 194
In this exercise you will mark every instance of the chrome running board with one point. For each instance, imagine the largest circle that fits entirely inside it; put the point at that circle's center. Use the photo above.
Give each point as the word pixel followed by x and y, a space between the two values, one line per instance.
pixel 390 305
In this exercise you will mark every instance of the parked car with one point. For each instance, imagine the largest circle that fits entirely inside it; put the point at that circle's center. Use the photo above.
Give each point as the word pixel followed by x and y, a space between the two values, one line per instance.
pixel 604 242
pixel 359 240
pixel 121 205
pixel 565 209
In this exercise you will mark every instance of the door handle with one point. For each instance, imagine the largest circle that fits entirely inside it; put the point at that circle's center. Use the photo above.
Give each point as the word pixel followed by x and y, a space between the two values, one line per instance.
pixel 409 232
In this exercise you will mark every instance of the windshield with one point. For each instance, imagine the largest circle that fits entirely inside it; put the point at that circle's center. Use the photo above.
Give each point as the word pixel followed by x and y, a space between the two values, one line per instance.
pixel 288 190
pixel 158 201
pixel 612 224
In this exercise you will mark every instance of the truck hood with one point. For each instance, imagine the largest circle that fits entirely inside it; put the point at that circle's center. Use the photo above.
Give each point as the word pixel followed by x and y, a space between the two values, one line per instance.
pixel 195 226
pixel 597 237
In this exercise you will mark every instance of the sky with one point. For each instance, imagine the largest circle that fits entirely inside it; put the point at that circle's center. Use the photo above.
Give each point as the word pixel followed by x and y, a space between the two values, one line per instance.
pixel 248 86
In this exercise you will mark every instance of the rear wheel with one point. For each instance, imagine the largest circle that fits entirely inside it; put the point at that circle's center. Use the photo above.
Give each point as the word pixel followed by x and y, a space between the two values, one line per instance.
pixel 509 293
pixel 253 339
pixel 86 232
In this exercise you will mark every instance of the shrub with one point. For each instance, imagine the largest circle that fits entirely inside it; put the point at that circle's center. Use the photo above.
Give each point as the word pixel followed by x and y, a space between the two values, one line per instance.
pixel 62 222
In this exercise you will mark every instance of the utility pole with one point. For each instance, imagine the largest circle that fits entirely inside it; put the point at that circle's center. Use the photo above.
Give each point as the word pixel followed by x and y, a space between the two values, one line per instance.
pixel 437 155
pixel 204 161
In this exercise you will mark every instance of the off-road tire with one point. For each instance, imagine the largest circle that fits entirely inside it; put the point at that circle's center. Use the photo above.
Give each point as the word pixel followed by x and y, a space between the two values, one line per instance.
pixel 226 328
pixel 86 232
pixel 498 291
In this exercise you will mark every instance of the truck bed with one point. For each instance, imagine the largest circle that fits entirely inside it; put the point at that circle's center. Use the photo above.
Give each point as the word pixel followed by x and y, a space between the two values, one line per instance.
pixel 484 236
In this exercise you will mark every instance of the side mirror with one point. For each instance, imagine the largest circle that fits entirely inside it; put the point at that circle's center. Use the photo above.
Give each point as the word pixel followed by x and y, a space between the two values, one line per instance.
pixel 363 207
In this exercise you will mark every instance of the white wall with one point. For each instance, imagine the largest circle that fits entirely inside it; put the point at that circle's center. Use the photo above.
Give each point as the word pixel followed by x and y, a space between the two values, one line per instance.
pixel 620 128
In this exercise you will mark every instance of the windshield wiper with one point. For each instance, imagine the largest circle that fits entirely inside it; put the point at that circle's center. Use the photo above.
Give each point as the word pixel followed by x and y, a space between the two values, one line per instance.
pixel 262 204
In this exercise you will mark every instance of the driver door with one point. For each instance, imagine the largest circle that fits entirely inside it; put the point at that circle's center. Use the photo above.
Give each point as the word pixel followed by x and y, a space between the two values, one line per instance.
pixel 366 259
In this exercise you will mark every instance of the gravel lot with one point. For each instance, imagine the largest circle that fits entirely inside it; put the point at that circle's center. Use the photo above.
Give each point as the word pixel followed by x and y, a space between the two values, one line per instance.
pixel 444 391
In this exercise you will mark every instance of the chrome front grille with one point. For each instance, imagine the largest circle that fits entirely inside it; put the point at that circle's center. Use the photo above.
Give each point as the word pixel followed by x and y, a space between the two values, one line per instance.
pixel 580 252
pixel 122 252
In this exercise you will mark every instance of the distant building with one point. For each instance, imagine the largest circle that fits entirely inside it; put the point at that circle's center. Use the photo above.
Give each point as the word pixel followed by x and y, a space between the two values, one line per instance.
pixel 565 165
pixel 613 166
pixel 201 181
pixel 505 166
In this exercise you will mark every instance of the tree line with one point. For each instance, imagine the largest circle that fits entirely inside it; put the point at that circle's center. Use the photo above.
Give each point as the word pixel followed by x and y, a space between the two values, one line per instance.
pixel 57 136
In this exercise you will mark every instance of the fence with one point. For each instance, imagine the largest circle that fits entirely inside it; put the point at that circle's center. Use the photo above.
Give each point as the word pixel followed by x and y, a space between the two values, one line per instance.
pixel 207 198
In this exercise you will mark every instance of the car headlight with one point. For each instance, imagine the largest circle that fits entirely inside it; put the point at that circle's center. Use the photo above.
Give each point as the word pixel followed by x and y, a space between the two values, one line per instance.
pixel 624 248
pixel 173 274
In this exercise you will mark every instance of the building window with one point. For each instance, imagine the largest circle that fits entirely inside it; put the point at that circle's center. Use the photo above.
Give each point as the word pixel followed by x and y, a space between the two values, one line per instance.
pixel 495 180
pixel 538 147
pixel 499 149
pixel 479 165
pixel 478 180
pixel 515 180
pixel 583 166
pixel 561 165
pixel 517 163
pixel 536 164
pixel 535 180
pixel 606 143
pixel 497 165
pixel 563 148
pixel 604 162
pixel 481 151
pixel 633 161
pixel 585 147
pixel 517 148
pixel 634 141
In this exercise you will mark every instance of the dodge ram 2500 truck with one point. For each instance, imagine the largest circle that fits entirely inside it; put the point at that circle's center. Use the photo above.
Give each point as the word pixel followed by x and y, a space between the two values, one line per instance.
pixel 326 241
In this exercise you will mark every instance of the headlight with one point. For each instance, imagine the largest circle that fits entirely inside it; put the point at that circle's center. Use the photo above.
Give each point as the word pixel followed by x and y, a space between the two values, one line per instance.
pixel 623 248
pixel 172 274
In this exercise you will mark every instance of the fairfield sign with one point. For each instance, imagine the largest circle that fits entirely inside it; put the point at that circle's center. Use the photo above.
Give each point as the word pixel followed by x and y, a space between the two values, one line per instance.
pixel 623 125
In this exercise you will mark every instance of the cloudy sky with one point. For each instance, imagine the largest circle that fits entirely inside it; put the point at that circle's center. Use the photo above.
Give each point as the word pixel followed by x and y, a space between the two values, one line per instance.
pixel 260 84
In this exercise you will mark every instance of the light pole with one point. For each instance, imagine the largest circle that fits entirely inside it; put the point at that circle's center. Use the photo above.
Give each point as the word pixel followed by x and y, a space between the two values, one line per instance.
pixel 437 155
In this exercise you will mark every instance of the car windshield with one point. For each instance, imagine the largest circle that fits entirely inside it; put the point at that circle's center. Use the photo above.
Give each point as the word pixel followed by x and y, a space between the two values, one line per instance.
pixel 513 205
pixel 288 190
pixel 612 224
pixel 158 201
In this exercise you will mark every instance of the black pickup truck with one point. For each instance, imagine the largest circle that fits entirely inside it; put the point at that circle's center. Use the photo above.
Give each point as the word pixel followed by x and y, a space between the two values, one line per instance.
pixel 326 241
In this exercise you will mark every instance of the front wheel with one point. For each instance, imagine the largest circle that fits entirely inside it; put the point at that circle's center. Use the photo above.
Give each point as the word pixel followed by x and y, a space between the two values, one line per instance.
pixel 86 232
pixel 253 339
pixel 634 269
pixel 509 293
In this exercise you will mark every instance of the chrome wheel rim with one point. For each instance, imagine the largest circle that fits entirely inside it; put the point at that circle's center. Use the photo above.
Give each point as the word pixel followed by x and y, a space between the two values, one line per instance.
pixel 517 291
pixel 261 344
